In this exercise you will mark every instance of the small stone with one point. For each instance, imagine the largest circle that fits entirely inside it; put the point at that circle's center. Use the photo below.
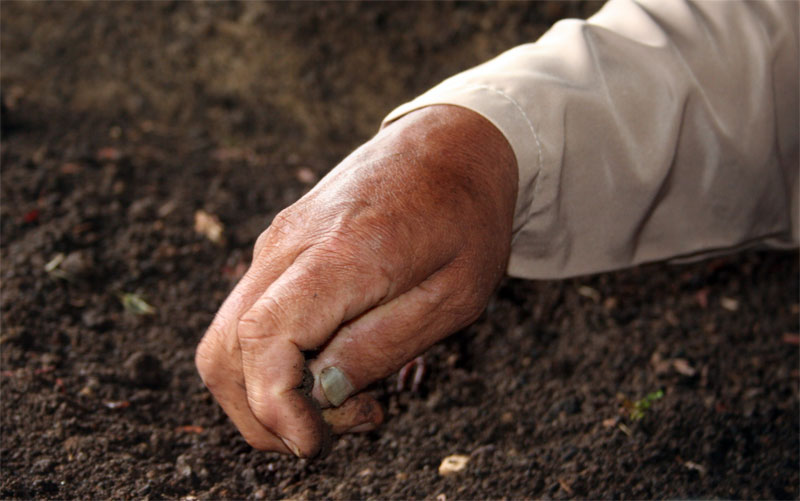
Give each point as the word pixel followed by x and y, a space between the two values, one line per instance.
pixel 453 464
pixel 249 476
pixel 95 319
pixel 73 443
pixel 145 489
pixel 168 208
pixel 610 303
pixel 568 406
pixel 49 359
pixel 144 369
pixel 183 466
pixel 140 209
pixel 43 465
pixel 76 264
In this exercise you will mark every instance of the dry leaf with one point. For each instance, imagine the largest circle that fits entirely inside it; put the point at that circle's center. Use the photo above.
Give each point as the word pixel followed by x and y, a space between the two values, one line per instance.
pixel 671 318
pixel 610 422
pixel 453 464
pixel 682 366
pixel 702 297
pixel 790 338
pixel 586 291
pixel 695 466
pixel 729 303
pixel 190 428
pixel 208 225
pixel 564 485
pixel 108 154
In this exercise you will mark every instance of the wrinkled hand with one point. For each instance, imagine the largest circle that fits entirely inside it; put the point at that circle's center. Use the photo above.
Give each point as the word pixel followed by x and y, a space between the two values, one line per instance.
pixel 399 246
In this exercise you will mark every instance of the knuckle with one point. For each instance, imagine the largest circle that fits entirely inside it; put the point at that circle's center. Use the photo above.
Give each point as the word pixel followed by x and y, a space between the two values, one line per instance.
pixel 283 226
pixel 285 222
pixel 259 322
pixel 207 361
pixel 261 242
pixel 249 329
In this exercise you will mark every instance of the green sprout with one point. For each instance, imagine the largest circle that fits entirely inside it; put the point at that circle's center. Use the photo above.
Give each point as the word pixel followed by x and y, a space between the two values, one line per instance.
pixel 53 267
pixel 639 408
pixel 135 304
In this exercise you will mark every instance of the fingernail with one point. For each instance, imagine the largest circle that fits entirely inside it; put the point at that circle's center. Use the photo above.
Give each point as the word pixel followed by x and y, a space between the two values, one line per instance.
pixel 335 385
pixel 295 450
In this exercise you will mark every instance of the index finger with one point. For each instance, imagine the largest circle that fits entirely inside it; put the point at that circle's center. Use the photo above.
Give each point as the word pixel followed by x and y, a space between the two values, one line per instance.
pixel 218 356
pixel 218 359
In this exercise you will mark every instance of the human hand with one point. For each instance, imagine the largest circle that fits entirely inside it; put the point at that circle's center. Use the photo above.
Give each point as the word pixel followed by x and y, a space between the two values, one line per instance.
pixel 397 247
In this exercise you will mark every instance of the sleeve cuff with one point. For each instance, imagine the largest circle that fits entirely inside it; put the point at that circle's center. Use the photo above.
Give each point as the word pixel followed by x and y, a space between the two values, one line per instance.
pixel 504 113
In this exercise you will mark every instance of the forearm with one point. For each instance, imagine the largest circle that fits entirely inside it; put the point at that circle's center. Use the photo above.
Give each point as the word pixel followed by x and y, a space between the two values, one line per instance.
pixel 651 132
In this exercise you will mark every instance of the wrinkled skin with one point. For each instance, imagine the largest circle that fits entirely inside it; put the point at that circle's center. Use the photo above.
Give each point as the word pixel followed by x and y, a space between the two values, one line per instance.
pixel 397 247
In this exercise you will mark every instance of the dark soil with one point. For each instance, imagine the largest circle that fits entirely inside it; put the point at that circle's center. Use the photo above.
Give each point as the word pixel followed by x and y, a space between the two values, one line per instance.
pixel 121 120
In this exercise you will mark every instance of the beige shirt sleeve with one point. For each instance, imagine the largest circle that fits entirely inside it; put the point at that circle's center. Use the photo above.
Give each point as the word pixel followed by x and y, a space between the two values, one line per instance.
pixel 654 130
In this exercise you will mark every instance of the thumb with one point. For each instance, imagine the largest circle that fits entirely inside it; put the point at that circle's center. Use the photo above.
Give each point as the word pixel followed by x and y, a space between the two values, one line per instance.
pixel 382 340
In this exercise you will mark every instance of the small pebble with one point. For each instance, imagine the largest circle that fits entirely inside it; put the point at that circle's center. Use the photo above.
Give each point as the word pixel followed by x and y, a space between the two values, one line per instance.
pixel 729 303
pixel 140 209
pixel 183 466
pixel 453 464
pixel 94 319
pixel 76 264
pixel 249 476
pixel 144 369
pixel 43 465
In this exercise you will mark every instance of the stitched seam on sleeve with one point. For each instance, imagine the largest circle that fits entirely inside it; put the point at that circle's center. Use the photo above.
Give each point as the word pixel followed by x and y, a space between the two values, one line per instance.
pixel 513 101
pixel 525 115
